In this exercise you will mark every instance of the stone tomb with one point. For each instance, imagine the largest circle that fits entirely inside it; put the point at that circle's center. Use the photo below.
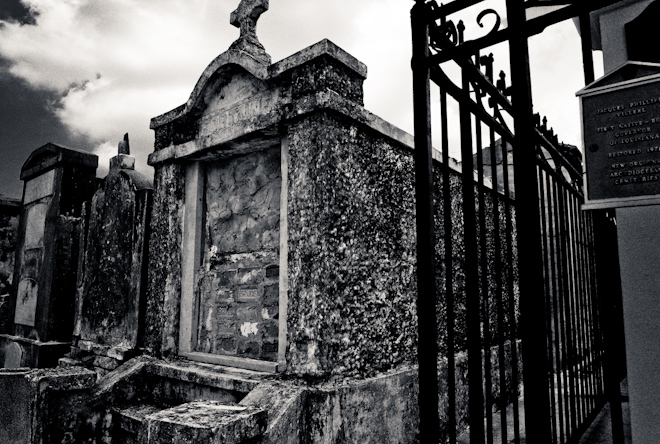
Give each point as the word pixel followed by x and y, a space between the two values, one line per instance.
pixel 112 271
pixel 57 182
pixel 273 227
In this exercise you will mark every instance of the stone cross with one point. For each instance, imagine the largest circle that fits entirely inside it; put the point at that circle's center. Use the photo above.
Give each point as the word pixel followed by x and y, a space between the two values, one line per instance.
pixel 245 18
pixel 246 15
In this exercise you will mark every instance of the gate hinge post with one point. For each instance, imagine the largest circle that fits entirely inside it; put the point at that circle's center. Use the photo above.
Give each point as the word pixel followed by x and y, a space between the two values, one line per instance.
pixel 426 293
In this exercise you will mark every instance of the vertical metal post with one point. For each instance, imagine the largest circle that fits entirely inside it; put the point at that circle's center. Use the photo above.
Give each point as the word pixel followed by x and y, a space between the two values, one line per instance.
pixel 587 55
pixel 472 305
pixel 449 273
pixel 532 305
pixel 607 283
pixel 426 299
pixel 512 329
pixel 548 271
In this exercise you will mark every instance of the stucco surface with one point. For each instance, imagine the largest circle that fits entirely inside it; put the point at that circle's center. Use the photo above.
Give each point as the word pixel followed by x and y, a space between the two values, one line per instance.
pixel 351 250
pixel 164 274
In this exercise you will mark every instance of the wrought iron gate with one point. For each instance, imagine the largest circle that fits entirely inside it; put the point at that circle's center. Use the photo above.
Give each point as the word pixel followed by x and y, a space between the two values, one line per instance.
pixel 520 288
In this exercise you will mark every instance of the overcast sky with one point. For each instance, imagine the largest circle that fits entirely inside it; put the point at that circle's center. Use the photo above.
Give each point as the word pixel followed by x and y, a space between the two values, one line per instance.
pixel 81 73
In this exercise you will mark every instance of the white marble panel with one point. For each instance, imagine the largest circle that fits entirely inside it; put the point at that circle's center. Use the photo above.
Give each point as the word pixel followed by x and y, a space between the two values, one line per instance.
pixel 38 187
pixel 26 302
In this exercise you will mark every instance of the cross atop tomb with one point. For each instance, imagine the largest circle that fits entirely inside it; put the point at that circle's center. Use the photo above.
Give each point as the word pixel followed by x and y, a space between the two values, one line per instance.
pixel 246 15
pixel 245 18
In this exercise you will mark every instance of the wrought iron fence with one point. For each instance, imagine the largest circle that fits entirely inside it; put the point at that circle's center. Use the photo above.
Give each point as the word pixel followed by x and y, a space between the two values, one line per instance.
pixel 517 320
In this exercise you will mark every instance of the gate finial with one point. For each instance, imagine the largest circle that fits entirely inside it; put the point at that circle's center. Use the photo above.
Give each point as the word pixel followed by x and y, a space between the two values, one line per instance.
pixel 245 18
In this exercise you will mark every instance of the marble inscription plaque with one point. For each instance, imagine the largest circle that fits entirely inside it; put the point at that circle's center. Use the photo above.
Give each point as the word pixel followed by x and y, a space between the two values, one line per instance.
pixel 35 226
pixel 26 302
pixel 622 142
pixel 248 294
pixel 40 186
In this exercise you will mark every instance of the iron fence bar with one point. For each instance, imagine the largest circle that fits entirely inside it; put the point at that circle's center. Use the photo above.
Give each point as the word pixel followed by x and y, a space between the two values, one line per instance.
pixel 426 293
pixel 483 266
pixel 513 333
pixel 441 79
pixel 563 318
pixel 500 196
pixel 458 5
pixel 449 272
pixel 548 276
pixel 452 7
pixel 593 271
pixel 584 306
pixel 565 313
pixel 560 354
pixel 598 340
pixel 571 315
pixel 600 327
pixel 572 171
pixel 565 303
pixel 558 177
pixel 530 265
pixel 475 376
pixel 581 303
pixel 499 300
pixel 612 388
pixel 476 76
pixel 591 314
pixel 531 28
pixel 595 313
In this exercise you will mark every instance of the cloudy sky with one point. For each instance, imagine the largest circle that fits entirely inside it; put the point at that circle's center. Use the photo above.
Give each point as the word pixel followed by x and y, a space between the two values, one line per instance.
pixel 81 73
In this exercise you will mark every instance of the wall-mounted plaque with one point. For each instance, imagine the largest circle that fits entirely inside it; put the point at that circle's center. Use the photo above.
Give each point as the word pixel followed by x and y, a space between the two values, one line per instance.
pixel 621 129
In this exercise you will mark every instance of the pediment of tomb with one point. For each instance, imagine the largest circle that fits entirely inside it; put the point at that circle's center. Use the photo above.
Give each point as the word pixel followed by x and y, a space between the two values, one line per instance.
pixel 630 71
pixel 51 155
pixel 231 109
pixel 239 103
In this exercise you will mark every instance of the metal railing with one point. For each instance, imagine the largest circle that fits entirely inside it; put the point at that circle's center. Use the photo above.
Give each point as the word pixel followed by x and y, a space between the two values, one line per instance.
pixel 509 289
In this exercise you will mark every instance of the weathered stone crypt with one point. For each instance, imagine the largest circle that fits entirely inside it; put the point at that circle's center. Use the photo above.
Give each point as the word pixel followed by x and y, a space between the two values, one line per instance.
pixel 263 289
pixel 258 191
pixel 279 273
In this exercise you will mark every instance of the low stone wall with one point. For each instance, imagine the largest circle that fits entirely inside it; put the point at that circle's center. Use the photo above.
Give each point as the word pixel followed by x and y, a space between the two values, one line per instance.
pixel 155 401
pixel 375 410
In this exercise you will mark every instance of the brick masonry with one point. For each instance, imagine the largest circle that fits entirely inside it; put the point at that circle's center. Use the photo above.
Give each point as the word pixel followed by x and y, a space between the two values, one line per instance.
pixel 238 280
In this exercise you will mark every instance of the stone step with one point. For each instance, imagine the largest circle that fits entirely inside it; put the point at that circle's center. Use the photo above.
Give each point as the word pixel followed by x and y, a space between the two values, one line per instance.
pixel 200 420
pixel 204 421
pixel 129 419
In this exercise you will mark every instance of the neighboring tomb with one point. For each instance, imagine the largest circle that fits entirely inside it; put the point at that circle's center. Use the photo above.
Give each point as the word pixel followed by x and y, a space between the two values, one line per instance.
pixel 112 271
pixel 57 182
pixel 9 213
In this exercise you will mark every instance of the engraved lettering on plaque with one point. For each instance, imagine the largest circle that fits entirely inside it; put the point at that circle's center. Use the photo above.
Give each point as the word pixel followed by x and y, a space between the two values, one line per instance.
pixel 247 294
pixel 622 132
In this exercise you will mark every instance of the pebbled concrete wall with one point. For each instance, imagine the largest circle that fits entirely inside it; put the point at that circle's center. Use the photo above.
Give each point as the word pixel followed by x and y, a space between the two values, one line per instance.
pixel 164 274
pixel 351 309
